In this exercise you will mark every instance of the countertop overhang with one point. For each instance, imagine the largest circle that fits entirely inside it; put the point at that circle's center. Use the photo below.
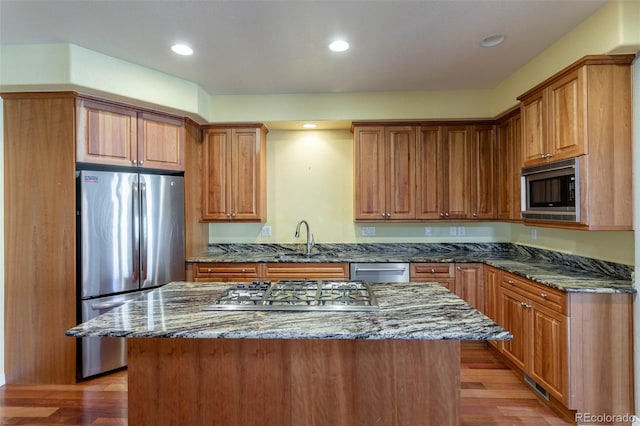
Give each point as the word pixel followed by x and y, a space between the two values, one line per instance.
pixel 419 311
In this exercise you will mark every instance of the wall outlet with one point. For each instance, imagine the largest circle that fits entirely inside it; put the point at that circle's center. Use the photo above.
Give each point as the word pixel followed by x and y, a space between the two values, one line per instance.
pixel 461 230
pixel 368 231
pixel 534 234
pixel 453 231
pixel 428 231
pixel 266 231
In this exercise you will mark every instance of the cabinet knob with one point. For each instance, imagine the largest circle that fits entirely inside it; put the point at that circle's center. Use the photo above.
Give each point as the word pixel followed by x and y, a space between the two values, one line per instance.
pixel 388 214
pixel 433 271
pixel 133 162
pixel 383 215
pixel 459 268
pixel 208 269
pixel 446 214
pixel 243 270
pixel 474 215
pixel 228 214
pixel 141 162
pixel 441 214
pixel 233 215
pixel 543 295
pixel 510 281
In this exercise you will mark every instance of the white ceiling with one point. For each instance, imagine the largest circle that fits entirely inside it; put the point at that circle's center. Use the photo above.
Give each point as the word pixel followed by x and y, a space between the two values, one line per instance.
pixel 268 46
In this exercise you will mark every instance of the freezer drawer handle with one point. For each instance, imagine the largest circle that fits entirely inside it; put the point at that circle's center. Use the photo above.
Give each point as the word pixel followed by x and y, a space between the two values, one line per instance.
pixel 107 305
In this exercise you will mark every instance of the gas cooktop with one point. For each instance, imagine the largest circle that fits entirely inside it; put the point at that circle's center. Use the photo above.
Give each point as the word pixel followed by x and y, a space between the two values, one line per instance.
pixel 307 295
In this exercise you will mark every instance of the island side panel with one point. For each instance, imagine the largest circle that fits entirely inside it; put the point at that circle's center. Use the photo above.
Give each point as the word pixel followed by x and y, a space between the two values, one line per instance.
pixel 292 382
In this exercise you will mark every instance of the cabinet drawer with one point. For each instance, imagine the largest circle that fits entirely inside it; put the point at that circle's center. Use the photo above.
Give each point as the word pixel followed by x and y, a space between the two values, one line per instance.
pixel 227 271
pixel 545 296
pixel 432 270
pixel 302 271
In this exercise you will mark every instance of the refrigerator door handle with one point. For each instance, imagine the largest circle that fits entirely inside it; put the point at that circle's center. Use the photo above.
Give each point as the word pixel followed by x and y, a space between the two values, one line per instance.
pixel 136 231
pixel 144 235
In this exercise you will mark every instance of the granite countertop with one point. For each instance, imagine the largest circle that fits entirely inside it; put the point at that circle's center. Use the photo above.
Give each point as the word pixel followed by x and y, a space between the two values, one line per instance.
pixel 556 270
pixel 424 311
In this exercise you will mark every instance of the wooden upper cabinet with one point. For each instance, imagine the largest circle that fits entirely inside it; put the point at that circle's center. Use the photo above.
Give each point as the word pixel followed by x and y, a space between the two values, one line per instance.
pixel 106 134
pixel 121 136
pixel 456 172
pixel 160 142
pixel 553 120
pixel 429 174
pixel 385 172
pixel 234 174
pixel 508 168
pixel 483 172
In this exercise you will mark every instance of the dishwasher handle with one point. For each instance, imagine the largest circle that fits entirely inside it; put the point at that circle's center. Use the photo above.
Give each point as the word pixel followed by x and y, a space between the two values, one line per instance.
pixel 401 270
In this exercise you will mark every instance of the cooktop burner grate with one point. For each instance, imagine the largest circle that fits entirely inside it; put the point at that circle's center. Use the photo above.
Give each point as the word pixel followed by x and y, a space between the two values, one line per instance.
pixel 304 295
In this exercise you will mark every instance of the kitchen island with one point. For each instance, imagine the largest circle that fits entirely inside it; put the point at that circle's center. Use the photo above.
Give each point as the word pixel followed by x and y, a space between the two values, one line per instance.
pixel 398 365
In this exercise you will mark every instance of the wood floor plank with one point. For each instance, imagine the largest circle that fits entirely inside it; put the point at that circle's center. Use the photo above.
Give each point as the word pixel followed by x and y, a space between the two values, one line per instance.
pixel 491 395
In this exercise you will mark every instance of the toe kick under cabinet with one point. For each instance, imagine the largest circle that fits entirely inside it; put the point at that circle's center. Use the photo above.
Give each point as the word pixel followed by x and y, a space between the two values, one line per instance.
pixel 576 346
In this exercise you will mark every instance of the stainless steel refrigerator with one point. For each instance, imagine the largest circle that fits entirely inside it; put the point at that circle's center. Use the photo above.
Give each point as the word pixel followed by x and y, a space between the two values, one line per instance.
pixel 130 239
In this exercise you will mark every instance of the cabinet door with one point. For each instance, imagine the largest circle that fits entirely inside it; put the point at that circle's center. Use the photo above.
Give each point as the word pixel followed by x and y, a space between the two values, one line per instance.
pixel 549 351
pixel 508 168
pixel 483 173
pixel 470 284
pixel 304 271
pixel 429 184
pixel 160 142
pixel 216 173
pixel 492 279
pixel 515 320
pixel 247 185
pixel 456 172
pixel 566 117
pixel 534 129
pixel 227 272
pixel 369 157
pixel 401 181
pixel 106 134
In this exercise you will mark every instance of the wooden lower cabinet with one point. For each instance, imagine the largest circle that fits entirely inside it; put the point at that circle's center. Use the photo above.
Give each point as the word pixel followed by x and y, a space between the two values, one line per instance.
pixel 441 273
pixel 241 272
pixel 576 346
pixel 470 284
pixel 492 279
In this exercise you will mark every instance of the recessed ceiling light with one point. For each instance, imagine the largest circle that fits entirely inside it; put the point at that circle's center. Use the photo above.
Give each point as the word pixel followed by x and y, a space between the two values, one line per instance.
pixel 492 40
pixel 182 49
pixel 339 46
pixel 309 125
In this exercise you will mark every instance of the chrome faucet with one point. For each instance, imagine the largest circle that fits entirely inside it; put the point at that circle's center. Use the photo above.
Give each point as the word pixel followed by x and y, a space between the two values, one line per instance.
pixel 310 241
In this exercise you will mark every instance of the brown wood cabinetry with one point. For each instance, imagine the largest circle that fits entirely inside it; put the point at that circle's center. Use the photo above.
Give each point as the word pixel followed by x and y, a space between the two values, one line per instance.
pixel 576 346
pixel 305 271
pixel 508 189
pixel 441 273
pixel 585 110
pixel 429 175
pixel 536 317
pixel 470 284
pixel 118 135
pixel 242 272
pixel 492 281
pixel 385 172
pixel 456 172
pixel 227 272
pixel 483 172
pixel 234 173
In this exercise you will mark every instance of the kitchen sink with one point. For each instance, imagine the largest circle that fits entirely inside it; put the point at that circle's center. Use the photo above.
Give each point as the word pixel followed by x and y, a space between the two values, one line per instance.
pixel 300 256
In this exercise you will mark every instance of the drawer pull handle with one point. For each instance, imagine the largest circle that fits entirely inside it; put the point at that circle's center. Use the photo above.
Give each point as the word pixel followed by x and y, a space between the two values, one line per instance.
pixel 243 270
pixel 543 295
pixel 510 281
pixel 525 305
pixel 433 271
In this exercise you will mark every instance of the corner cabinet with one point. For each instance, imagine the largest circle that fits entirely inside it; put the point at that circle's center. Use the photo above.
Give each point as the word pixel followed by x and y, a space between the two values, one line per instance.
pixel 508 131
pixel 119 135
pixel 234 173
pixel 385 172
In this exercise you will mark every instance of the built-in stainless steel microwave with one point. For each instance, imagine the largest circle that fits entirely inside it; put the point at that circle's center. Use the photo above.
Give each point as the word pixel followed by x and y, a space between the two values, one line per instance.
pixel 552 191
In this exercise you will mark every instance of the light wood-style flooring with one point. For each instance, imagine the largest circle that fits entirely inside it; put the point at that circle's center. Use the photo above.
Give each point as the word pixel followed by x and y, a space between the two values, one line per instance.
pixel 491 394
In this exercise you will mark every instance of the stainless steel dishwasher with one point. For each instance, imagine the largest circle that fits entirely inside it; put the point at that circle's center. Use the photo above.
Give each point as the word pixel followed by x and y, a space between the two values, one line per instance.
pixel 380 272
